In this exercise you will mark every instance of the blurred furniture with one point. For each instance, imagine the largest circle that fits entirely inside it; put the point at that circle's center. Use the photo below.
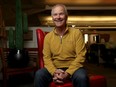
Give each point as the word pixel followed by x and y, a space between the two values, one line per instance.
pixel 95 80
pixel 96 52
pixel 8 71
pixel 2 30
pixel 99 53
pixel 110 60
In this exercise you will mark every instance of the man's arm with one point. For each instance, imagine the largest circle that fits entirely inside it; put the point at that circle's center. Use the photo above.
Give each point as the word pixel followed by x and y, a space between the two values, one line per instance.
pixel 80 54
pixel 47 56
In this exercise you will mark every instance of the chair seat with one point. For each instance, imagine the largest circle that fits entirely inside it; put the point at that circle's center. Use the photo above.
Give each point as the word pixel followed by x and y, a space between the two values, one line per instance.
pixel 98 81
pixel 95 81
pixel 67 84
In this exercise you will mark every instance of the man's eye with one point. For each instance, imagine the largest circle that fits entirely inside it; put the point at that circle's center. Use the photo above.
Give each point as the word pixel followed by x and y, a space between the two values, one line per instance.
pixel 61 13
pixel 54 14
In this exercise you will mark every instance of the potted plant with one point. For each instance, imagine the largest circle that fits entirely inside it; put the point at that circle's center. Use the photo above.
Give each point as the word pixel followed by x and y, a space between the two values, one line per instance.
pixel 18 56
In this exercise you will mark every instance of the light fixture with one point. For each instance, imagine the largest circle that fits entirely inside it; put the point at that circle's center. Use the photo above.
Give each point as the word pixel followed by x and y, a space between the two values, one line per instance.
pixel 85 20
pixel 73 25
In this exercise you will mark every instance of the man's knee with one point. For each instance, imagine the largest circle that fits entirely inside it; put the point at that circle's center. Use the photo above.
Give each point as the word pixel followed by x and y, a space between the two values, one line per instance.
pixel 40 73
pixel 80 74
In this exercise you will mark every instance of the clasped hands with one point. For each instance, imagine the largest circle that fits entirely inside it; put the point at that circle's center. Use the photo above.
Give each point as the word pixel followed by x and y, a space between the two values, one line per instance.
pixel 60 76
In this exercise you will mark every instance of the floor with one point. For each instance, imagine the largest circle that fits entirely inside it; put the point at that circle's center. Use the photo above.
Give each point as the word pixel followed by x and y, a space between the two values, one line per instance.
pixel 27 79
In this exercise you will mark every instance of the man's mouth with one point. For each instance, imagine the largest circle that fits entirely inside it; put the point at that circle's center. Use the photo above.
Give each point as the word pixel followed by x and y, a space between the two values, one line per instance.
pixel 58 20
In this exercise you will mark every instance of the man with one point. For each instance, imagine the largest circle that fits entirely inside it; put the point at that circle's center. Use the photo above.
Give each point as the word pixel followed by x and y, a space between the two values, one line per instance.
pixel 64 53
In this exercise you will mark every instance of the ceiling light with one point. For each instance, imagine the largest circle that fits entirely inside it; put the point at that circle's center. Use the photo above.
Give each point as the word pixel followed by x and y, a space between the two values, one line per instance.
pixel 85 18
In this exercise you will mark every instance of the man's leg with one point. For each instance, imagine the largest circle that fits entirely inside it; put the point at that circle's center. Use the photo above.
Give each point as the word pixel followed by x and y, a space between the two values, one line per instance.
pixel 42 78
pixel 80 78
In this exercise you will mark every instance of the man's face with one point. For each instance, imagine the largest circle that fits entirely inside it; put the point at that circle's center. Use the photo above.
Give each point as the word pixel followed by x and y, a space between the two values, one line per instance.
pixel 59 17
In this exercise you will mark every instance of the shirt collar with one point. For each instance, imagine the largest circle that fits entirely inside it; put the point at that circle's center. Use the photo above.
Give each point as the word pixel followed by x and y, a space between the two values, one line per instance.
pixel 67 29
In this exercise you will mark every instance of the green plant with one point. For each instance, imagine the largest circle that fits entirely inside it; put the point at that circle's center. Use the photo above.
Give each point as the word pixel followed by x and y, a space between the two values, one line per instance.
pixel 20 28
pixel 11 38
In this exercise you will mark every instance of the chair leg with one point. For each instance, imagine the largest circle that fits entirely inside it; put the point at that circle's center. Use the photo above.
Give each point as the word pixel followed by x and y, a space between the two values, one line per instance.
pixel 4 80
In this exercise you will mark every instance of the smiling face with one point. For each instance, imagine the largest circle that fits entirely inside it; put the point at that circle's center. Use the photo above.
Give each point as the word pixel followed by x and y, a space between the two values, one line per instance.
pixel 59 16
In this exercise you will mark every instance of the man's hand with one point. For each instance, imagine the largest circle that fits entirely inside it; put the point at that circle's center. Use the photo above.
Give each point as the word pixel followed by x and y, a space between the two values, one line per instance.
pixel 60 76
pixel 57 78
pixel 65 76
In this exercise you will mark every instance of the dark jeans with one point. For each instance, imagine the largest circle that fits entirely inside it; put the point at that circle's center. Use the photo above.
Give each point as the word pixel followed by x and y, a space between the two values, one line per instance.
pixel 79 78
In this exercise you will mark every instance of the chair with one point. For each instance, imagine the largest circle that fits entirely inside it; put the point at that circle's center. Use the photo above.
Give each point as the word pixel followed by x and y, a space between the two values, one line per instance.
pixel 8 71
pixel 95 80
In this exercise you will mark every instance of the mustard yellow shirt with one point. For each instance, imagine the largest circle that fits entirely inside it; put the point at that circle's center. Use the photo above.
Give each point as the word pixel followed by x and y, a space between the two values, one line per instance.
pixel 67 51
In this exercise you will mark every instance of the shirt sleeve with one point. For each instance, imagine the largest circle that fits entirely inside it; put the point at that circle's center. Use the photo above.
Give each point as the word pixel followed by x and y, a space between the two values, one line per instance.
pixel 80 53
pixel 47 56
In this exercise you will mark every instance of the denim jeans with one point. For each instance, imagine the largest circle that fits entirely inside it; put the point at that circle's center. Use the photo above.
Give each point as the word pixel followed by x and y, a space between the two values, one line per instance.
pixel 79 78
